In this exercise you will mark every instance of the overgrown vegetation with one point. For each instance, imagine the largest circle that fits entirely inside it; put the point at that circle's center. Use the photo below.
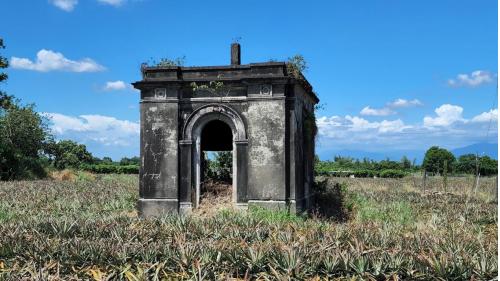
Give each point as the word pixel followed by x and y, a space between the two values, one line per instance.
pixel 165 62
pixel 88 229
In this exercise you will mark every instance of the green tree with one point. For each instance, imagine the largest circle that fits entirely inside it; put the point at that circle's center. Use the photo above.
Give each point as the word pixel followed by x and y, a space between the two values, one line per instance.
pixel 488 166
pixel 130 161
pixel 68 154
pixel 23 133
pixel 466 164
pixel 221 167
pixel 296 65
pixel 107 160
pixel 405 163
pixel 434 160
pixel 6 101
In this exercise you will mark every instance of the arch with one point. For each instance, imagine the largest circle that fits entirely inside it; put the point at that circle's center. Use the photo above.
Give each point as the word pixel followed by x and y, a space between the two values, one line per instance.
pixel 191 134
pixel 197 120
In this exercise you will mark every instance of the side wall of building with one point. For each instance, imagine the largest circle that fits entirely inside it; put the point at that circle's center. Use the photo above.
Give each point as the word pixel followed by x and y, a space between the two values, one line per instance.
pixel 304 139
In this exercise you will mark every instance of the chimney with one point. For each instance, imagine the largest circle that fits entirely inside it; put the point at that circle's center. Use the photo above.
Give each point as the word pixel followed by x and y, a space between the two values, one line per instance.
pixel 235 54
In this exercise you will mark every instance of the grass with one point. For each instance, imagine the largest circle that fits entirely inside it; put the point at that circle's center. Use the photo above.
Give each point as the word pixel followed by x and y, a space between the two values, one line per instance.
pixel 87 228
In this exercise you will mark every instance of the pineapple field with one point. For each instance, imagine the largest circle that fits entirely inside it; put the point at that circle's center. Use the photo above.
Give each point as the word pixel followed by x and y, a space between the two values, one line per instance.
pixel 86 227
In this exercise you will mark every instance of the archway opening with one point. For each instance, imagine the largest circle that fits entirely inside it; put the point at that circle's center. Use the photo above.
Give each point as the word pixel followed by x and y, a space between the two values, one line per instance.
pixel 216 145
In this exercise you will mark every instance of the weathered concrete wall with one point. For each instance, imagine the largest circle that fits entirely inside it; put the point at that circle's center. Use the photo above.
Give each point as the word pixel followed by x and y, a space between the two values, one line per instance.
pixel 266 150
pixel 304 149
pixel 159 156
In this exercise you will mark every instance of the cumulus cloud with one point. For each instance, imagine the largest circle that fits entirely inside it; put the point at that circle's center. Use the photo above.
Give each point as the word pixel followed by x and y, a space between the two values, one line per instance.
pixel 400 103
pixel 474 79
pixel 388 109
pixel 335 125
pixel 115 3
pixel 47 60
pixel 115 85
pixel 447 114
pixel 368 111
pixel 491 115
pixel 104 130
pixel 447 127
pixel 65 5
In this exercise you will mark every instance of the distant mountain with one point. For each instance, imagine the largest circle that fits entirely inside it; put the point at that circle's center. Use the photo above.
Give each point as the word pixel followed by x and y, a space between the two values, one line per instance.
pixel 490 149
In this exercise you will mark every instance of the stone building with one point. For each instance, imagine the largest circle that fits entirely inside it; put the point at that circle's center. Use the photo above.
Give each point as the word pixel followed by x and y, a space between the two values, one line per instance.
pixel 262 112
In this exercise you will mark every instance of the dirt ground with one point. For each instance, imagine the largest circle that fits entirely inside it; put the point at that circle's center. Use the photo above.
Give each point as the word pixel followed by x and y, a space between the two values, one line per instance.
pixel 215 196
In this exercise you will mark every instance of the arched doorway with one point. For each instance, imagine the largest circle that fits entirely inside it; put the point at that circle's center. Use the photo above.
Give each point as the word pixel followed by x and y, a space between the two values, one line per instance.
pixel 212 128
pixel 216 165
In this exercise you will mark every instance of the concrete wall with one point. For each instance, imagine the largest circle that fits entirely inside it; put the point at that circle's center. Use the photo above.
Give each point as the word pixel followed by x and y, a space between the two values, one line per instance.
pixel 266 150
pixel 159 155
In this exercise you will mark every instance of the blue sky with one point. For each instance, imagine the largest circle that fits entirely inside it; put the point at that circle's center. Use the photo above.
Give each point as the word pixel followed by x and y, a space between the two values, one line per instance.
pixel 393 75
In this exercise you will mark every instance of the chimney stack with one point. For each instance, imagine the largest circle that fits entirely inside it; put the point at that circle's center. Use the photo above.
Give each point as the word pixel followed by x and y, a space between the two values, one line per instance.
pixel 235 54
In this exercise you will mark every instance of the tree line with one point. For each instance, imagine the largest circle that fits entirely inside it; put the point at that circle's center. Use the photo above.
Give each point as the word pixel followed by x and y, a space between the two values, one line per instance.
pixel 437 161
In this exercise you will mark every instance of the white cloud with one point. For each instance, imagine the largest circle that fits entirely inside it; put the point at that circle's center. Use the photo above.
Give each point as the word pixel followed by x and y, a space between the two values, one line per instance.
pixel 491 115
pixel 399 103
pixel 476 78
pixel 47 60
pixel 368 111
pixel 65 5
pixel 115 85
pixel 115 3
pixel 104 130
pixel 447 114
pixel 388 109
pixel 447 128
pixel 335 125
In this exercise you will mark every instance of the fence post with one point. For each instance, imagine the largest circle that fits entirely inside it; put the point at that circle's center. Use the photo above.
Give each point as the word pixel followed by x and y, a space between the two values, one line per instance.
pixel 476 182
pixel 425 179
pixel 445 175
pixel 496 188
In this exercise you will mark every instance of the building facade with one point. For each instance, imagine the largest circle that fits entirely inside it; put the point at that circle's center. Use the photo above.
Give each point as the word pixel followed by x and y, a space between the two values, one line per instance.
pixel 262 112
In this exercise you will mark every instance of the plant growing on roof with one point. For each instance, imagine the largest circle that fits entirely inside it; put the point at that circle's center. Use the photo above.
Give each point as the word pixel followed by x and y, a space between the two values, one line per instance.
pixel 215 87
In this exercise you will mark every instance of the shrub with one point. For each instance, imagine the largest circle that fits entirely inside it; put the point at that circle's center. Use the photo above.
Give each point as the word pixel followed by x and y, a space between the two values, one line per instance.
pixel 333 201
pixel 392 174
pixel 111 169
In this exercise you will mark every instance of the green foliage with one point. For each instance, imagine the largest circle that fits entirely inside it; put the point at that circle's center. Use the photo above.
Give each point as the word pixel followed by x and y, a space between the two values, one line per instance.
pixel 346 166
pixel 216 87
pixel 434 159
pixel 220 168
pixel 368 210
pixel 23 133
pixel 296 65
pixel 68 154
pixel 333 201
pixel 488 166
pixel 4 63
pixel 466 164
pixel 273 216
pixel 166 62
pixel 106 168
pixel 390 173
pixel 130 161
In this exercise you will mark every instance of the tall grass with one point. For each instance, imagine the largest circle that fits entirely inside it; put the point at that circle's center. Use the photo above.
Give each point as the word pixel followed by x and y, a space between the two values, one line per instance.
pixel 88 229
